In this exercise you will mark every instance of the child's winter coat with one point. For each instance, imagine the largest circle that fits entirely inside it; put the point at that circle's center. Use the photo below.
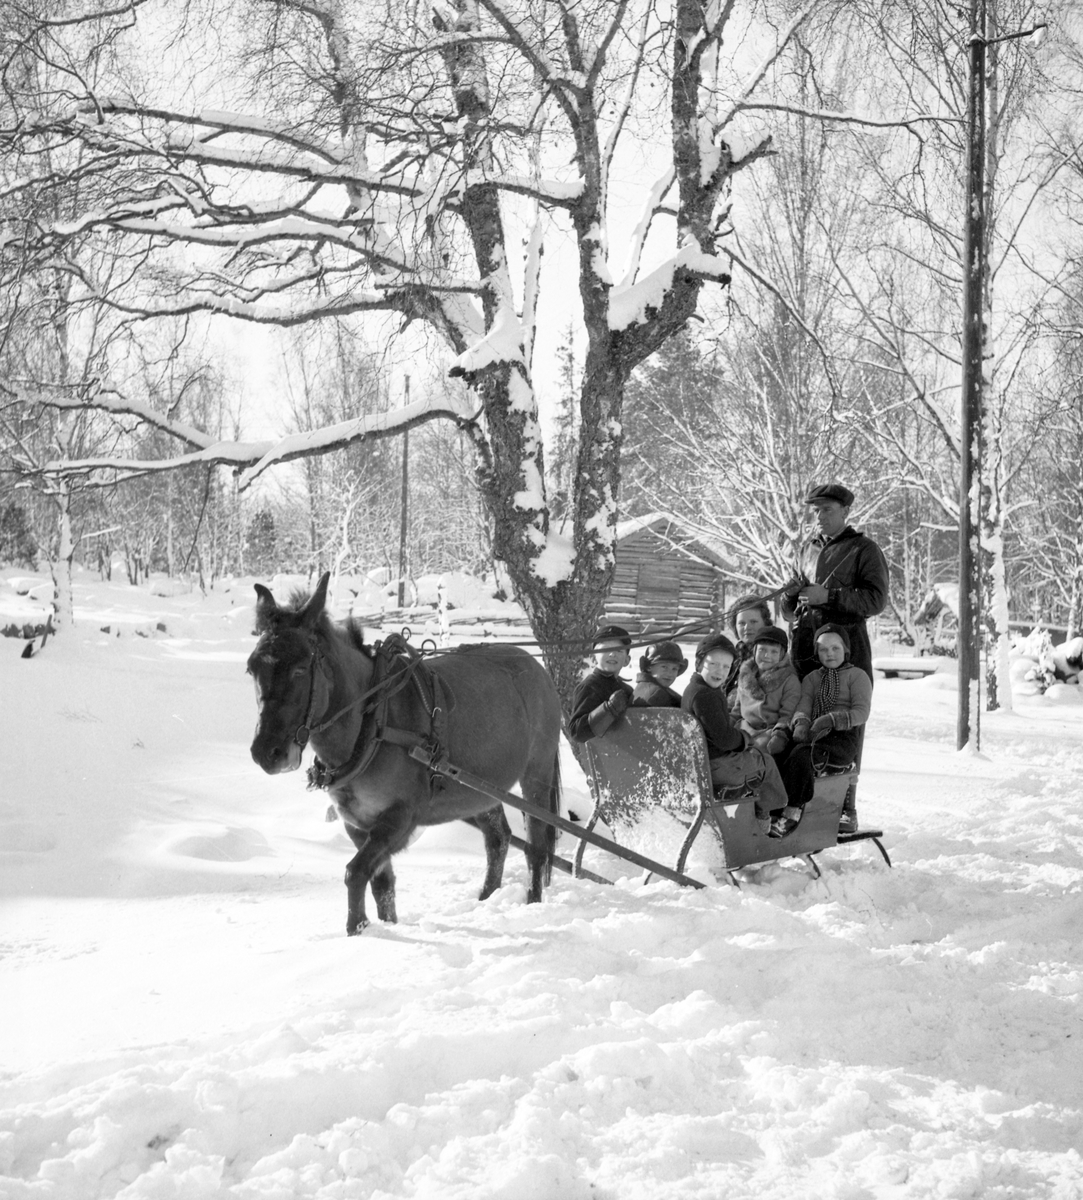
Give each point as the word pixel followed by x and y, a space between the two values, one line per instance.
pixel 649 693
pixel 768 695
pixel 843 693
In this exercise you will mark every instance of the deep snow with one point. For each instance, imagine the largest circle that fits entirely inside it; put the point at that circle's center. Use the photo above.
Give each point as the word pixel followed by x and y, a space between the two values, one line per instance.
pixel 182 1016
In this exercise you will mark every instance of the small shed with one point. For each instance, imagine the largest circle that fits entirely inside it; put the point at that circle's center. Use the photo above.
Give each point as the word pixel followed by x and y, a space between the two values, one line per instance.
pixel 666 576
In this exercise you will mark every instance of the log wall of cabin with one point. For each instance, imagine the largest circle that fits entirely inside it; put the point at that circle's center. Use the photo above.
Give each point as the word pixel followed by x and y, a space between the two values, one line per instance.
pixel 656 585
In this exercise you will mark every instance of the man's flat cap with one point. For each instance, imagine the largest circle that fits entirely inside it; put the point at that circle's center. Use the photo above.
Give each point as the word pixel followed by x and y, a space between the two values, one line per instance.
pixel 830 491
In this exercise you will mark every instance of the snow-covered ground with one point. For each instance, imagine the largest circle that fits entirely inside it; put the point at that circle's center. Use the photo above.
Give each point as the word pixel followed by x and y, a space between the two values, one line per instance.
pixel 182 1017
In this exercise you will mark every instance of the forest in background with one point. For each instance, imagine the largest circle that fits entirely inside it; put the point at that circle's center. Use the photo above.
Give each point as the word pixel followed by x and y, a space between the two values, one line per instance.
pixel 828 348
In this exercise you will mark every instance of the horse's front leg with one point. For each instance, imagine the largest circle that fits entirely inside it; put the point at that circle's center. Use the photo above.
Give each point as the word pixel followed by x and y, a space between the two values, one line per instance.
pixel 372 864
pixel 497 834
pixel 356 881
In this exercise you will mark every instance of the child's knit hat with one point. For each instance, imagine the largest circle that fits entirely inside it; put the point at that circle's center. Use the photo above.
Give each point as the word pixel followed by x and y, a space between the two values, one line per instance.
pixel 713 641
pixel 831 627
pixel 774 635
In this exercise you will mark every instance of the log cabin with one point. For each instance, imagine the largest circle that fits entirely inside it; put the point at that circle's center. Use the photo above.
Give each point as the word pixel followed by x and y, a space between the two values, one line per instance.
pixel 665 576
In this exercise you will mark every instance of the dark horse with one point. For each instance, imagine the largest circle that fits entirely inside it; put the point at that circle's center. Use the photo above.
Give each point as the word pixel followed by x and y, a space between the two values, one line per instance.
pixel 490 710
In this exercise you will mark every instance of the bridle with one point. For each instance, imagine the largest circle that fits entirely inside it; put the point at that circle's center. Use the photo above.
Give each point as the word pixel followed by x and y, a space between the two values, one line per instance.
pixel 385 686
pixel 265 651
pixel 305 729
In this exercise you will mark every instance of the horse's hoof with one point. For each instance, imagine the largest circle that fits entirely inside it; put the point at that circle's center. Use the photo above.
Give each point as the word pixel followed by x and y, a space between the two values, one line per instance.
pixel 356 930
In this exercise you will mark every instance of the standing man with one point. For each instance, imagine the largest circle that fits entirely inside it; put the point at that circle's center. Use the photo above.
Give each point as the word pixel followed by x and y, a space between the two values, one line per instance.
pixel 850 585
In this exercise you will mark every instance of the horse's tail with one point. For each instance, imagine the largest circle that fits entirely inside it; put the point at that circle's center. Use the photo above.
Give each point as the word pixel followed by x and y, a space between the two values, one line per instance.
pixel 554 807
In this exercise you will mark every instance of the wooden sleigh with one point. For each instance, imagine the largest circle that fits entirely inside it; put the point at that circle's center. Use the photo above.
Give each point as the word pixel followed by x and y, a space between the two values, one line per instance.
pixel 651 782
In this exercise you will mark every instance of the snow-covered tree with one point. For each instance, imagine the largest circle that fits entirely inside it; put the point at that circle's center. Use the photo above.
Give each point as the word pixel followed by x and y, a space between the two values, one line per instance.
pixel 303 159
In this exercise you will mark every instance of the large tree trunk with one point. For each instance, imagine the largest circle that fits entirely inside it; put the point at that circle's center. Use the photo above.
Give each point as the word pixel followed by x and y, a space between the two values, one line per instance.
pixel 563 588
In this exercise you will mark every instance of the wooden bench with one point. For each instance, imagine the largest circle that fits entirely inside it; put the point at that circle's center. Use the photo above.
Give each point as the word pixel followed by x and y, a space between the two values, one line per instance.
pixel 892 668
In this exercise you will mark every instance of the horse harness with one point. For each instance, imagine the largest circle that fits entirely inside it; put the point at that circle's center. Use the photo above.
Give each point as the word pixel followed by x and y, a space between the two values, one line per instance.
pixel 397 666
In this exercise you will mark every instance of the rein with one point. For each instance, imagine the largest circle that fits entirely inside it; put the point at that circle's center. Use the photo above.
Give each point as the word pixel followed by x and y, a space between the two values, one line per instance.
pixel 371 733
pixel 304 730
pixel 376 688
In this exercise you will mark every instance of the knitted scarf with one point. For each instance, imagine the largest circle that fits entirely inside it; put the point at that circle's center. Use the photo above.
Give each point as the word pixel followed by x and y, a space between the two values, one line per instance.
pixel 827 696
pixel 742 654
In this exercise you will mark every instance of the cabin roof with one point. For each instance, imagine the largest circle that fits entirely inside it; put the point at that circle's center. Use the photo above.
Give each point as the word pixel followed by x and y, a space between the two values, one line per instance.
pixel 678 536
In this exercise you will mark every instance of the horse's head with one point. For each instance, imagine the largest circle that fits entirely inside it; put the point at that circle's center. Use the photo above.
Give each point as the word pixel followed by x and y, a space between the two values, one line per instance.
pixel 292 680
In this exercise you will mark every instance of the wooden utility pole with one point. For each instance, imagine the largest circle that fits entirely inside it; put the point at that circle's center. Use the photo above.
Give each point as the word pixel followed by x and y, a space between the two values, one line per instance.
pixel 968 729
pixel 975 333
pixel 404 508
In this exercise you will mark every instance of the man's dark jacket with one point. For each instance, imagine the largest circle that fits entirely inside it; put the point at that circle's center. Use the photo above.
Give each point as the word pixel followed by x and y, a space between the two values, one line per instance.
pixel 853 569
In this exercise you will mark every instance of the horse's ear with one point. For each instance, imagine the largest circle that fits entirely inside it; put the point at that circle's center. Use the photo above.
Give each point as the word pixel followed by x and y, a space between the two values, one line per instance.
pixel 265 606
pixel 316 605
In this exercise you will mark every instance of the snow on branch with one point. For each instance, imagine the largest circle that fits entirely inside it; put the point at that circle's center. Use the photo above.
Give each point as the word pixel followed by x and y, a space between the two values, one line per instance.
pixel 329 168
pixel 221 120
pixel 253 458
pixel 257 312
pixel 299 227
pixel 854 118
pixel 124 9
pixel 631 304
pixel 532 285
pixel 368 427
pixel 191 148
pixel 230 454
pixel 109 400
pixel 651 208
pixel 709 34
pixel 549 191
pixel 130 210
pixel 503 343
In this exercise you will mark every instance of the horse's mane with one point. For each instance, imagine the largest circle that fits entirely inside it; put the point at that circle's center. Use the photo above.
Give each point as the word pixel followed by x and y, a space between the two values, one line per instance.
pixel 298 598
pixel 356 633
pixel 324 625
